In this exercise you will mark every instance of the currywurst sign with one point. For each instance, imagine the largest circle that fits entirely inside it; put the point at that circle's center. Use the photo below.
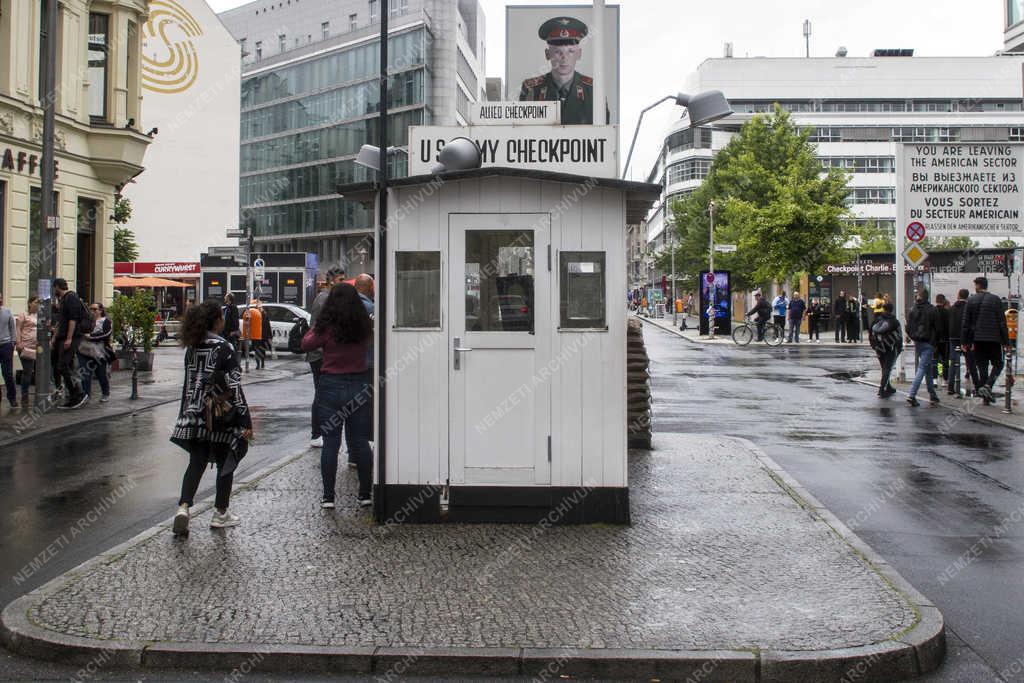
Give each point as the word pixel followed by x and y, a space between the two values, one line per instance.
pixel 581 150
pixel 962 188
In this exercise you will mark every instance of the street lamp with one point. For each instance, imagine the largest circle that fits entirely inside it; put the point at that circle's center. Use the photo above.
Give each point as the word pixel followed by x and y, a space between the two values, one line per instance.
pixel 703 108
pixel 711 270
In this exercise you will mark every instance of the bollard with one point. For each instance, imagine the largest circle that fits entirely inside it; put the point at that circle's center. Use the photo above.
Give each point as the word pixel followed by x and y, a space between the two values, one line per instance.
pixel 1008 378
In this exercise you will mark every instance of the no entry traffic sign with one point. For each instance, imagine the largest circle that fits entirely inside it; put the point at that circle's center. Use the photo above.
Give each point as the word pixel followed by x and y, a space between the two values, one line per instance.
pixel 709 278
pixel 915 232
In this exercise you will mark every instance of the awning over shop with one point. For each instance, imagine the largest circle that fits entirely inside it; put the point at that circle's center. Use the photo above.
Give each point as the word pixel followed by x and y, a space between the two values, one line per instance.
pixel 148 282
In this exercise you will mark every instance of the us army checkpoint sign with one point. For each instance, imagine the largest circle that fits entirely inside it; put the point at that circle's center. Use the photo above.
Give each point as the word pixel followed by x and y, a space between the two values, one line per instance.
pixel 580 150
pixel 966 188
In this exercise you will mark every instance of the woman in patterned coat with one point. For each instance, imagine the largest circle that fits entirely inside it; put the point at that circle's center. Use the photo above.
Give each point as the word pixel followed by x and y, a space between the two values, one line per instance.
pixel 219 435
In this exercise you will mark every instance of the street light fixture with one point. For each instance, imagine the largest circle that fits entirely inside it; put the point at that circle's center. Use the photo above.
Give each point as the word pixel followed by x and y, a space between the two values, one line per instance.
pixel 702 108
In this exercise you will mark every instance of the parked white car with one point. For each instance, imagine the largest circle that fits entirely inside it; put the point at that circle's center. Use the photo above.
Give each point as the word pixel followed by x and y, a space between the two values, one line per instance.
pixel 282 319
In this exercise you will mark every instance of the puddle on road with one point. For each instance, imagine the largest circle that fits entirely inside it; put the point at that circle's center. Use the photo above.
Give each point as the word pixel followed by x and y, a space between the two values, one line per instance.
pixel 846 375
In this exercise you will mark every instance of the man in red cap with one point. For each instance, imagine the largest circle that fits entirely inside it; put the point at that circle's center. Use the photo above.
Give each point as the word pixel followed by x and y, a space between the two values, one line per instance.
pixel 574 90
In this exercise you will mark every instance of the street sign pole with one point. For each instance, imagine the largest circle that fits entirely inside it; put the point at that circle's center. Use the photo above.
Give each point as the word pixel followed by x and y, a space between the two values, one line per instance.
pixel 898 294
pixel 711 270
pixel 49 221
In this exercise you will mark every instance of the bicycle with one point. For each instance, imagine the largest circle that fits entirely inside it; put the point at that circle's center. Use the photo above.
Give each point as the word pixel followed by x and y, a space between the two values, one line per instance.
pixel 746 332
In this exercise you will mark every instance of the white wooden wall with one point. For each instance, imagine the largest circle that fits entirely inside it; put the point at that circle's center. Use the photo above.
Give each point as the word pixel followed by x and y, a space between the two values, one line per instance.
pixel 588 382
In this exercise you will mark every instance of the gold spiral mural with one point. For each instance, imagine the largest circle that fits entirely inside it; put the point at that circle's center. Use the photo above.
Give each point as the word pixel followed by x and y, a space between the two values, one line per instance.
pixel 170 61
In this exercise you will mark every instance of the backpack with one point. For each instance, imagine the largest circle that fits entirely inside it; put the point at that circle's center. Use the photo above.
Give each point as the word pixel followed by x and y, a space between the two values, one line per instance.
pixel 882 327
pixel 296 334
pixel 85 324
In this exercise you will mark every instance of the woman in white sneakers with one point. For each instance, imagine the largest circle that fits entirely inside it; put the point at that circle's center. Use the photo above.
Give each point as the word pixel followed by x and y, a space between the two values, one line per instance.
pixel 213 425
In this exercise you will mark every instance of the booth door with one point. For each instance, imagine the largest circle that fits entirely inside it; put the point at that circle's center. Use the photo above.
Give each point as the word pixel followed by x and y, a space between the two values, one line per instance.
pixel 498 345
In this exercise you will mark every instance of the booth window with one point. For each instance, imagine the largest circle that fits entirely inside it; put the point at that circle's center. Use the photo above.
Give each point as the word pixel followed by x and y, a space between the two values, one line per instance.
pixel 418 289
pixel 582 291
pixel 499 281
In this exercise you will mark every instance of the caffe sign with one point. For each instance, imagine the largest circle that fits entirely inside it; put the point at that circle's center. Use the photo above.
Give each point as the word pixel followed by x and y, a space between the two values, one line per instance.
pixel 23 162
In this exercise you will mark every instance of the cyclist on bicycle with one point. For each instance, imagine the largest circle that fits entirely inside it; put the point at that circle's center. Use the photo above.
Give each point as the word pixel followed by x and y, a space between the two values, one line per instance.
pixel 763 310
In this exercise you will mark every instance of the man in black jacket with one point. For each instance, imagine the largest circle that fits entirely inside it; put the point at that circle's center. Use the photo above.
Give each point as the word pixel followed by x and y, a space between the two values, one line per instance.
pixel 886 339
pixel 763 310
pixel 67 340
pixel 923 329
pixel 984 334
pixel 956 319
pixel 839 317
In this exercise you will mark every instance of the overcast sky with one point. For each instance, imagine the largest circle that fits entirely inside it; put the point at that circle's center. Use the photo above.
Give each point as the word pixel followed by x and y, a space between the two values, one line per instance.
pixel 663 40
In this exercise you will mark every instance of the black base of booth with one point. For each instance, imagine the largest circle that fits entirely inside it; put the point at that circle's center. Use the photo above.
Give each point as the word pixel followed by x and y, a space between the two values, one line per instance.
pixel 415 504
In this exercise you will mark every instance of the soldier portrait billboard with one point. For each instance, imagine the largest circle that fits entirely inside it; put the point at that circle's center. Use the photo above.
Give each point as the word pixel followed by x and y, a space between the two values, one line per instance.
pixel 549 56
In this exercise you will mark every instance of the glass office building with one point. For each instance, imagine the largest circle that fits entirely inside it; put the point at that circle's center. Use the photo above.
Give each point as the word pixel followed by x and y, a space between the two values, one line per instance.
pixel 307 109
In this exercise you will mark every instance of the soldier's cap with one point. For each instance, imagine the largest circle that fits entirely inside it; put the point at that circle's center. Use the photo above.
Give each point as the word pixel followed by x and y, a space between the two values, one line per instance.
pixel 562 31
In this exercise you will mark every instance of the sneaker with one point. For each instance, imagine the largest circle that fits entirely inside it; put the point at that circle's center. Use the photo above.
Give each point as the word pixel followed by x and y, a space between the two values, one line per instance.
pixel 318 442
pixel 934 399
pixel 82 402
pixel 327 503
pixel 222 521
pixel 986 393
pixel 365 502
pixel 911 401
pixel 104 398
pixel 180 526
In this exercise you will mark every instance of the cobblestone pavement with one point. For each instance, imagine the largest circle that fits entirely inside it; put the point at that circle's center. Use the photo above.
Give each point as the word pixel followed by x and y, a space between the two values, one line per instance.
pixel 718 556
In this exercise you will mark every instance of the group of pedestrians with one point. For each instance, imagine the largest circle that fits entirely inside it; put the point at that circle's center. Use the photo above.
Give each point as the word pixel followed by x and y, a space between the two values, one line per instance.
pixel 787 314
pixel 250 332
pixel 214 424
pixel 974 326
pixel 80 351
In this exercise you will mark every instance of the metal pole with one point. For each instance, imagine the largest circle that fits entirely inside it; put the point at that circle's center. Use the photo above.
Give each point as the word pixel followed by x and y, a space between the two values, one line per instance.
pixel 48 215
pixel 249 239
pixel 672 248
pixel 636 132
pixel 381 361
pixel 1008 379
pixel 711 269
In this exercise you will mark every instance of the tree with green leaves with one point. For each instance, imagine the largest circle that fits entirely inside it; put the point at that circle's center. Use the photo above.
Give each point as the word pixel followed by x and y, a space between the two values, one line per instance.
pixel 125 246
pixel 1006 244
pixel 772 200
pixel 956 243
pixel 871 238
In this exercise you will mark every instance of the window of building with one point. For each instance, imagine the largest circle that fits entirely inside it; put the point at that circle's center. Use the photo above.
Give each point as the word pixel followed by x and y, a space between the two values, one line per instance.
pixel 690 169
pixel 1016 134
pixel 860 164
pixel 465 71
pixel 282 43
pixel 259 50
pixel 871 195
pixel 98 45
pixel 325 30
pixel 241 44
pixel 418 289
pixel 353 22
pixel 582 302
pixel 374 14
pixel 1014 12
pixel 399 7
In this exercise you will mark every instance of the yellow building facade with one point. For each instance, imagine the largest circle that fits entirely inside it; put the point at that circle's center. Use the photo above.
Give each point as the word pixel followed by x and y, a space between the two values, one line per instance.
pixel 99 139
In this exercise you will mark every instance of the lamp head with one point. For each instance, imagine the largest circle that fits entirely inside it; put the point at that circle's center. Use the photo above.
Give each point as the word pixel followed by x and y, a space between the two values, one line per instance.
pixel 369 156
pixel 459 154
pixel 705 107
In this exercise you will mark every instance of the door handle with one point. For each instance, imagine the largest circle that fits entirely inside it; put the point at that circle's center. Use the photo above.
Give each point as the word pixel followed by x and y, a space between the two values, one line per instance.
pixel 458 349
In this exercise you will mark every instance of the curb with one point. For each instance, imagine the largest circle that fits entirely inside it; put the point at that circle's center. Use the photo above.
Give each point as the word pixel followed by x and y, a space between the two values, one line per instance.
pixel 916 651
pixel 141 405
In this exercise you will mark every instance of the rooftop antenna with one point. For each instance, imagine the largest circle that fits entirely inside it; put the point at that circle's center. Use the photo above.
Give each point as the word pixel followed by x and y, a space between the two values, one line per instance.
pixel 807 35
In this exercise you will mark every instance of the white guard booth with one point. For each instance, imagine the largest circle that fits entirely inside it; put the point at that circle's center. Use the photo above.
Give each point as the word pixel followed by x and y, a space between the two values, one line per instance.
pixel 505 376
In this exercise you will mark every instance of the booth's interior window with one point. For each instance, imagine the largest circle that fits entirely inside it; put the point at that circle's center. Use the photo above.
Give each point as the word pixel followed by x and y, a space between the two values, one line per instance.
pixel 499 280
pixel 582 289
pixel 418 289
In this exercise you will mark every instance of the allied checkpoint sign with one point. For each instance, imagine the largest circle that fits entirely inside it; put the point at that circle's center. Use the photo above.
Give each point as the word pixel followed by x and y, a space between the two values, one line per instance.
pixel 581 150
pixel 965 188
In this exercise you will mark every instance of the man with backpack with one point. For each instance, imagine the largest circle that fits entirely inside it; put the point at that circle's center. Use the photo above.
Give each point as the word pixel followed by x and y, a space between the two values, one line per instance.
pixel 956 321
pixel 923 329
pixel 985 336
pixel 75 323
pixel 886 339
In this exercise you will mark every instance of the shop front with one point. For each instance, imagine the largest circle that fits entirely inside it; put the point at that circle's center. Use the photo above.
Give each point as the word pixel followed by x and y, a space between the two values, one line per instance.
pixel 176 283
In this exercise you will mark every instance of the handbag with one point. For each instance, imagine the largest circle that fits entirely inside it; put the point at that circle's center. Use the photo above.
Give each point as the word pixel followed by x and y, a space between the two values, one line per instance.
pixel 219 413
pixel 92 349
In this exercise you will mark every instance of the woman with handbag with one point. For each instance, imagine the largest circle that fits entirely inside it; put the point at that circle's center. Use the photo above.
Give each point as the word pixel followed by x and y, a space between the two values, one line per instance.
pixel 94 354
pixel 213 425
pixel 343 398
pixel 26 344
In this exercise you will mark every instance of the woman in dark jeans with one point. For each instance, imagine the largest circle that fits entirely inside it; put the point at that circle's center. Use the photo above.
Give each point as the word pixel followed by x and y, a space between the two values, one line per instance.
pixel 343 397
pixel 211 367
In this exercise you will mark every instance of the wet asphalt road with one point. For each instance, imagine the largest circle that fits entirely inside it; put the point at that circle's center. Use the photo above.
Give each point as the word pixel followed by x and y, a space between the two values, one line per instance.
pixel 923 488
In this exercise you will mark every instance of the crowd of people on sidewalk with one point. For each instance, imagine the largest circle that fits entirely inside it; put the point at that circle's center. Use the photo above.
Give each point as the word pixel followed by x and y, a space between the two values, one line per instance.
pixel 214 424
pixel 973 329
pixel 81 349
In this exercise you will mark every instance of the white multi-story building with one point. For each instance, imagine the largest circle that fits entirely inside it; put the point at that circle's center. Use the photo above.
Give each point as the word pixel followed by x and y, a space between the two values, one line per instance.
pixel 858 109
pixel 310 100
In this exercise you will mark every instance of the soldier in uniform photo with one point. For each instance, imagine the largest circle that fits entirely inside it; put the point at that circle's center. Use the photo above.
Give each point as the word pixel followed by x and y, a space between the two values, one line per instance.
pixel 563 83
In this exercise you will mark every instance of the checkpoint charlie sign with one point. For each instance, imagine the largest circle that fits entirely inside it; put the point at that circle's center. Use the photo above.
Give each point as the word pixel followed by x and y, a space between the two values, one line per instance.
pixel 514 113
pixel 962 188
pixel 581 150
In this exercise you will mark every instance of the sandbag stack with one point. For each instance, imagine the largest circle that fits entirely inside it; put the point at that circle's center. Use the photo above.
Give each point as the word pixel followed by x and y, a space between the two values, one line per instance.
pixel 638 387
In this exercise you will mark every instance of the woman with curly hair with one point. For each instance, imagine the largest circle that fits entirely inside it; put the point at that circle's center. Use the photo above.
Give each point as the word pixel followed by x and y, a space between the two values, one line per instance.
pixel 343 397
pixel 213 425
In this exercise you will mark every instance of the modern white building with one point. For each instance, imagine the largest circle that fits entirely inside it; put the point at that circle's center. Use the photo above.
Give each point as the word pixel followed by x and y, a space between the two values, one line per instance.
pixel 858 109
pixel 191 77
pixel 310 100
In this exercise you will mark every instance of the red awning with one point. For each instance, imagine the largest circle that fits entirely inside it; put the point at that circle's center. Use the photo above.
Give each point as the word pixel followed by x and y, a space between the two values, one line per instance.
pixel 147 282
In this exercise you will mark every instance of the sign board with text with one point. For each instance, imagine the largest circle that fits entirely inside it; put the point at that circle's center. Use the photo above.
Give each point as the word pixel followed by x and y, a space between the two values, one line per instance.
pixel 514 113
pixel 579 150
pixel 963 188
